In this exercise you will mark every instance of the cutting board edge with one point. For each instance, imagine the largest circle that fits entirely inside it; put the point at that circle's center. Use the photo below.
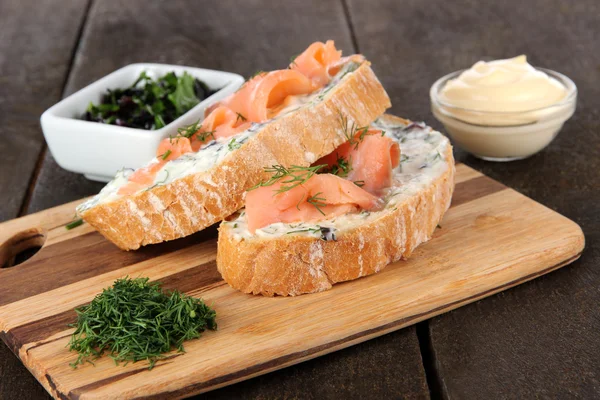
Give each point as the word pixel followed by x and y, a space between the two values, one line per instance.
pixel 297 358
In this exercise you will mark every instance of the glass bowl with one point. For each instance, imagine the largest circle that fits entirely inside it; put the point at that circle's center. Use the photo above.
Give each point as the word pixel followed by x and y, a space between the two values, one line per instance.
pixel 504 136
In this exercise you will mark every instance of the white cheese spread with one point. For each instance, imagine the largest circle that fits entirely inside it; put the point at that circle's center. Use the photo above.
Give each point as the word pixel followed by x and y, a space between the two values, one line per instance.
pixel 422 161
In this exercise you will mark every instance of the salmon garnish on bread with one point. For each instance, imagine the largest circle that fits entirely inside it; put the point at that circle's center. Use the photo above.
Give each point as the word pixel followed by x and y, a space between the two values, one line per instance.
pixel 285 117
pixel 407 181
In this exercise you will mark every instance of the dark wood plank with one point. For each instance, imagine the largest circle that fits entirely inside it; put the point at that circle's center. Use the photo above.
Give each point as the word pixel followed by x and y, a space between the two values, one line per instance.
pixel 36 47
pixel 35 55
pixel 241 37
pixel 539 339
pixel 371 370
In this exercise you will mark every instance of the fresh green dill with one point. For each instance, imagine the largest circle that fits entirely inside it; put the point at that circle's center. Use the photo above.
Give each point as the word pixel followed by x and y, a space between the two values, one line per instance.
pixel 74 224
pixel 235 225
pixel 359 183
pixel 233 145
pixel 189 130
pixel 342 167
pixel 404 157
pixel 354 134
pixel 165 154
pixel 293 60
pixel 290 177
pixel 317 201
pixel 240 117
pixel 137 320
pixel 203 136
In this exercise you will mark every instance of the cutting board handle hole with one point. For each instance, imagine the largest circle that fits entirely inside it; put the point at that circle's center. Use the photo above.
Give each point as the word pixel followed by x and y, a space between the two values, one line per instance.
pixel 21 247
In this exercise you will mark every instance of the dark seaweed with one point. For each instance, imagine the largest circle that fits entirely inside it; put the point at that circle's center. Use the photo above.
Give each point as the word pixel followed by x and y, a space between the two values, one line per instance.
pixel 149 104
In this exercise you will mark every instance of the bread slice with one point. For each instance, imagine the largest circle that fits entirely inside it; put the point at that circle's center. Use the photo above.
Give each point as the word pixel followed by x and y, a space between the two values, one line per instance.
pixel 197 200
pixel 292 259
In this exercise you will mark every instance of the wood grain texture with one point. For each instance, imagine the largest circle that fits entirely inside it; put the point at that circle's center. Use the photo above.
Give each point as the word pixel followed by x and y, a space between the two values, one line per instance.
pixel 539 340
pixel 35 54
pixel 36 44
pixel 241 37
pixel 478 251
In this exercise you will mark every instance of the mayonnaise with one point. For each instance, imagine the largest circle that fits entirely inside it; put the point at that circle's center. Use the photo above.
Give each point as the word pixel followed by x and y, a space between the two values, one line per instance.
pixel 505 109
pixel 503 86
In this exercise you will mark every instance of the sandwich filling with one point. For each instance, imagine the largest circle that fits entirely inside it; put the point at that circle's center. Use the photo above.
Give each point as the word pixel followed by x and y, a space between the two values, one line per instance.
pixel 365 178
pixel 230 123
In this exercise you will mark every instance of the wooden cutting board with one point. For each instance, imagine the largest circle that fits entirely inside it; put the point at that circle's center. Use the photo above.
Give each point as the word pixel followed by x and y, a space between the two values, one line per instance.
pixel 492 238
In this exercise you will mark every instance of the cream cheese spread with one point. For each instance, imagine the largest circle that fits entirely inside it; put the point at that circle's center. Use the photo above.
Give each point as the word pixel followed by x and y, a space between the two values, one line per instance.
pixel 215 151
pixel 422 162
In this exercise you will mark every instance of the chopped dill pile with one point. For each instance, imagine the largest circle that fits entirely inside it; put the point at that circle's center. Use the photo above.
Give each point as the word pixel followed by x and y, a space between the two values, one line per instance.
pixel 137 320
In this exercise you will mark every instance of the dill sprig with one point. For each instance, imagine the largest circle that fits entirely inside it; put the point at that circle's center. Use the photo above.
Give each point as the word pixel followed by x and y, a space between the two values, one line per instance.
pixel 354 134
pixel 74 224
pixel 342 167
pixel 165 154
pixel 203 136
pixel 194 130
pixel 136 320
pixel 240 117
pixel 290 177
pixel 188 131
pixel 233 145
pixel 317 201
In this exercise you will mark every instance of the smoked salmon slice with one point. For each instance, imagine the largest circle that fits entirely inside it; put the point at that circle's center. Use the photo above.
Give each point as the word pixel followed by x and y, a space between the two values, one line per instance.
pixel 371 158
pixel 239 102
pixel 141 178
pixel 261 98
pixel 321 196
pixel 173 148
pixel 314 62
pixel 273 89
pixel 222 122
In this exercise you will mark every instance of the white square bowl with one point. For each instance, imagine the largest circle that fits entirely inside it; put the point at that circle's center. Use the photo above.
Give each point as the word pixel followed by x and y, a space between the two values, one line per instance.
pixel 99 150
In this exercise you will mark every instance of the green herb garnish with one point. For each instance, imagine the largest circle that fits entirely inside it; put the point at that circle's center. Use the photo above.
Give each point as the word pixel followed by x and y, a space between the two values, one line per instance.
pixel 317 202
pixel 148 103
pixel 136 320
pixel 359 183
pixel 233 145
pixel 165 154
pixel 354 134
pixel 240 117
pixel 342 167
pixel 74 224
pixel 291 177
pixel 188 131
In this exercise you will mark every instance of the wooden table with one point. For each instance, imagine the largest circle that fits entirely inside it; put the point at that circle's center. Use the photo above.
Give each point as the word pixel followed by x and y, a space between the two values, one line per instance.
pixel 540 339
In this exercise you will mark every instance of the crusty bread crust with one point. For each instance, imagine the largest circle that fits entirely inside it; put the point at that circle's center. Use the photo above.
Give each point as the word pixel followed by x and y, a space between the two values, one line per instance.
pixel 196 201
pixel 293 265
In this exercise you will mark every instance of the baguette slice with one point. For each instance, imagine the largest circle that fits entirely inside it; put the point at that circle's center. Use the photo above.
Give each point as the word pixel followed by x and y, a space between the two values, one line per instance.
pixel 293 259
pixel 180 207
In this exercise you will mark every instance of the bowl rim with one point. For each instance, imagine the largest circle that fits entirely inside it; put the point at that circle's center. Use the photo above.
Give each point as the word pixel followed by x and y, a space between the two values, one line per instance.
pixel 572 92
pixel 51 111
